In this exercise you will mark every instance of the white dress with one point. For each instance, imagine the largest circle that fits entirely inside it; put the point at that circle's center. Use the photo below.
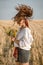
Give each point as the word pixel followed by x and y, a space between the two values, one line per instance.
pixel 25 38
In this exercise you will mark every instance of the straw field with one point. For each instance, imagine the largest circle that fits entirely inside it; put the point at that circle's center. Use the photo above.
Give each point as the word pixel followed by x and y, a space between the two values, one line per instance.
pixel 6 48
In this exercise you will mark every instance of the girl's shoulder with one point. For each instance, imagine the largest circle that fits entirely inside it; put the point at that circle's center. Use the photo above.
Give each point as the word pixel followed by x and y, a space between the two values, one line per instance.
pixel 27 29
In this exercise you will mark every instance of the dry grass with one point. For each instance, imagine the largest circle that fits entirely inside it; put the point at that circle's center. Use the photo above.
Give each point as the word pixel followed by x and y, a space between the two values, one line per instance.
pixel 6 50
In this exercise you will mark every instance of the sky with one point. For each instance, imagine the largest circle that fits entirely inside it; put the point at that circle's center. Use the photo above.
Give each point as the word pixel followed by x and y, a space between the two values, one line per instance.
pixel 7 8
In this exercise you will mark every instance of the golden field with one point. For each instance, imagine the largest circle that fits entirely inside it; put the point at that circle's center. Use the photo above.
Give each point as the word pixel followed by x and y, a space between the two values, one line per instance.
pixel 6 49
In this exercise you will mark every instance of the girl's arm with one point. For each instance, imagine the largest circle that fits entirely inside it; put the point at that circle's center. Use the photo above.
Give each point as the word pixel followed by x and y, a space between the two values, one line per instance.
pixel 15 40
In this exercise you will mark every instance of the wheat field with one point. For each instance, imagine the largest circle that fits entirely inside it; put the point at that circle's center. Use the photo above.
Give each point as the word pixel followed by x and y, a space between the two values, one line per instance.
pixel 6 49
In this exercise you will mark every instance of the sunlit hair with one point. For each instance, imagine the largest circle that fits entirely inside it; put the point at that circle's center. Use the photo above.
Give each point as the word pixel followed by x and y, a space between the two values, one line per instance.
pixel 26 22
pixel 24 12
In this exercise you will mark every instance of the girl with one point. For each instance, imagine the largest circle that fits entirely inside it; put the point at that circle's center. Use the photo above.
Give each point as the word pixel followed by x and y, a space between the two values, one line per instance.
pixel 24 37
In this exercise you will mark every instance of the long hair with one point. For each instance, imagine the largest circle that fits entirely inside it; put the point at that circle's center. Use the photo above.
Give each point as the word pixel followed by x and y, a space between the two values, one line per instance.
pixel 24 11
pixel 26 23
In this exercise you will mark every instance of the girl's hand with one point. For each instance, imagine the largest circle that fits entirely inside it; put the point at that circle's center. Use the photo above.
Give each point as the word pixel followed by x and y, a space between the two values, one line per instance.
pixel 16 41
pixel 13 39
